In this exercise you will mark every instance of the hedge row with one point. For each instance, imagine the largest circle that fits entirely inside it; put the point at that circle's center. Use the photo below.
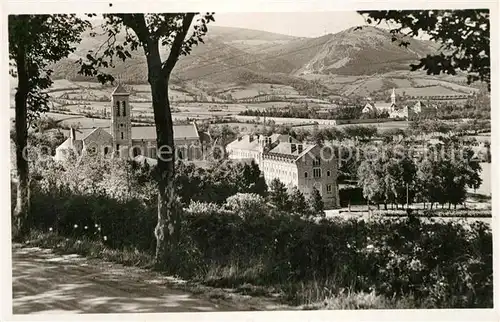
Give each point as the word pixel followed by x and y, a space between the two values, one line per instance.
pixel 442 263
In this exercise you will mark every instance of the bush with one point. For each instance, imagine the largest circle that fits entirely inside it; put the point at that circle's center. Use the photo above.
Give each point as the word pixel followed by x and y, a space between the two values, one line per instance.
pixel 439 264
pixel 247 204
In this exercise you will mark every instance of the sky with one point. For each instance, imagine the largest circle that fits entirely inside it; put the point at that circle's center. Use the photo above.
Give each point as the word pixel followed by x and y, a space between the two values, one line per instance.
pixel 299 24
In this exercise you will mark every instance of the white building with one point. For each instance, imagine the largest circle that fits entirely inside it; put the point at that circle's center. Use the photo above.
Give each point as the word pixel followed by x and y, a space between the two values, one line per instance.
pixel 305 166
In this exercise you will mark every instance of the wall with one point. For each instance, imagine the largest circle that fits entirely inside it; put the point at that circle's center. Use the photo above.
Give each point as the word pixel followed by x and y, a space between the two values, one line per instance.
pixel 99 140
pixel 285 171
pixel 306 184
pixel 191 148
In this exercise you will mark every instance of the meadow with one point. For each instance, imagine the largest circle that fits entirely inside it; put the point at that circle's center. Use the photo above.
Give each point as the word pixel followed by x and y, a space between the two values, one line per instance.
pixel 380 126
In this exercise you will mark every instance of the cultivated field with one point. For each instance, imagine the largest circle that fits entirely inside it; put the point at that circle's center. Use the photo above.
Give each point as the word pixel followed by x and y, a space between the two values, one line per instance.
pixel 380 126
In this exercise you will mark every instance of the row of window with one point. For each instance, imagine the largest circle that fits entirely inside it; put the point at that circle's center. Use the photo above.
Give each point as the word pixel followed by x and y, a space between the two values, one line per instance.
pixel 279 171
pixel 317 173
pixel 124 109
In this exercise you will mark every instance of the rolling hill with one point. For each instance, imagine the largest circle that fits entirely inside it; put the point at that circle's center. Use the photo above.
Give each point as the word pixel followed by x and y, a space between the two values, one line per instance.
pixel 243 56
pixel 353 51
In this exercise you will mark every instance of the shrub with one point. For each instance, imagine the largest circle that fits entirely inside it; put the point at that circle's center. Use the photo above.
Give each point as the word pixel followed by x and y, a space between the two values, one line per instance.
pixel 197 207
pixel 247 204
pixel 439 264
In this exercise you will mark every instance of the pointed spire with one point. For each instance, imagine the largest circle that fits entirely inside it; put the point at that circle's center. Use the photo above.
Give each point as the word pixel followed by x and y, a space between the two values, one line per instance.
pixel 120 90
pixel 393 92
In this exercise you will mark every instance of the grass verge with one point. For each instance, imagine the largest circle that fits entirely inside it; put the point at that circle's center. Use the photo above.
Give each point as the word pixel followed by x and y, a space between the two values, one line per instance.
pixel 226 285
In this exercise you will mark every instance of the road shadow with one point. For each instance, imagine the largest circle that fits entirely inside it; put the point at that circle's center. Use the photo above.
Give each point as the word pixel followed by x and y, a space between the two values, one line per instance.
pixel 44 282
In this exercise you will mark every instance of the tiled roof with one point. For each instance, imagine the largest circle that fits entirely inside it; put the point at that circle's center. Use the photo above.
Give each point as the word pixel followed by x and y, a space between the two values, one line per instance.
pixel 285 149
pixel 65 145
pixel 385 106
pixel 81 134
pixel 143 132
pixel 180 132
pixel 244 143
pixel 282 138
pixel 120 90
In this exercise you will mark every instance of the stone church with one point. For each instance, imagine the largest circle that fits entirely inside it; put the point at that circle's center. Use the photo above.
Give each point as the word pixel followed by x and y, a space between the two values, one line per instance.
pixel 124 140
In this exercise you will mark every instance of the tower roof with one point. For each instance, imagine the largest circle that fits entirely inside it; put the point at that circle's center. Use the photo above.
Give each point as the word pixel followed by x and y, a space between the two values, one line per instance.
pixel 120 90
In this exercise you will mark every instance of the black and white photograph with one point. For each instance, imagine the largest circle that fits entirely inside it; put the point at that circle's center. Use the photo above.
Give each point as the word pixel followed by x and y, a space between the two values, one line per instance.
pixel 211 161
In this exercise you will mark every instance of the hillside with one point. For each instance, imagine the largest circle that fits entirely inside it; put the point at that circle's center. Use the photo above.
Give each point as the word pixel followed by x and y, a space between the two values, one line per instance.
pixel 354 61
pixel 353 51
pixel 216 59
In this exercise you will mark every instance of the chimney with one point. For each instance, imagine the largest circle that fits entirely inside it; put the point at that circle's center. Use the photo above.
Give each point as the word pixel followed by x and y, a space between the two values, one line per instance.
pixel 300 148
pixel 72 134
pixel 293 147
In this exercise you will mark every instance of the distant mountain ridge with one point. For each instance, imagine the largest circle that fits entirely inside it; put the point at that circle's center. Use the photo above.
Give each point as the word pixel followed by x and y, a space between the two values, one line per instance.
pixel 237 55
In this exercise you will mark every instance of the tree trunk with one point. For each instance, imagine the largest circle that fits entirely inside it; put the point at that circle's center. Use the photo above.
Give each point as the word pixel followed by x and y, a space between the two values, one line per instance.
pixel 167 228
pixel 21 222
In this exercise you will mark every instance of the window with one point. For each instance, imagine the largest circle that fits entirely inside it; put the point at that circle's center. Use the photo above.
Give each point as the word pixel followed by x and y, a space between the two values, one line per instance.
pixel 106 150
pixel 328 173
pixel 117 147
pixel 329 188
pixel 136 151
pixel 117 108
pixel 305 174
pixel 316 163
pixel 122 135
pixel 153 152
pixel 121 125
pixel 317 173
pixel 124 108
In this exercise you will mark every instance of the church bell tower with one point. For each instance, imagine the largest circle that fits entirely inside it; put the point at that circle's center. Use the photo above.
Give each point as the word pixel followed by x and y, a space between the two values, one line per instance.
pixel 393 97
pixel 121 125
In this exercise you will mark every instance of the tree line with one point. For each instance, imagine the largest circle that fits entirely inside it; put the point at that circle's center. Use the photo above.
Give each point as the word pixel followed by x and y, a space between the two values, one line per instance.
pixel 441 178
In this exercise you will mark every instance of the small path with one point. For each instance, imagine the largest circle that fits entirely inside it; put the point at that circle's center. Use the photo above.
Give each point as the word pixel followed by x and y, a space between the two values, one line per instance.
pixel 45 282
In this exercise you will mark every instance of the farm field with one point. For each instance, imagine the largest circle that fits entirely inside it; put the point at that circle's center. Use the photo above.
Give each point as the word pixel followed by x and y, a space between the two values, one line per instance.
pixel 243 128
pixel 256 89
pixel 285 120
pixel 380 126
pixel 437 90
pixel 403 80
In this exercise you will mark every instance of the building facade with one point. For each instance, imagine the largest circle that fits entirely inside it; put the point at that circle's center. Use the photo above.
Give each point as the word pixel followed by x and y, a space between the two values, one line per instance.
pixel 305 166
pixel 397 111
pixel 124 140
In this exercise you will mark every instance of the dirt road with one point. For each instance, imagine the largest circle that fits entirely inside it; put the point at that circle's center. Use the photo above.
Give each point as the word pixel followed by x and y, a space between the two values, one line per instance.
pixel 44 282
